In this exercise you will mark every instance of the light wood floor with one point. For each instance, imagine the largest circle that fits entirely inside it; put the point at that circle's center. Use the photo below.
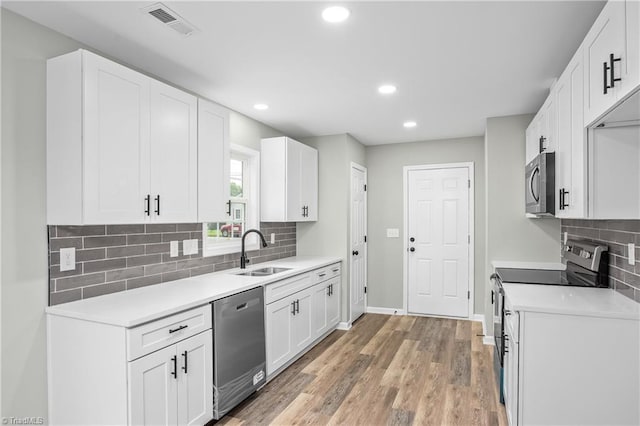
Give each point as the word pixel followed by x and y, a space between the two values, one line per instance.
pixel 398 370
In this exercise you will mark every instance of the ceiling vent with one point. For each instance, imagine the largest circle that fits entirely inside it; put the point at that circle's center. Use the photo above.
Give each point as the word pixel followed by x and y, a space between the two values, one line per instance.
pixel 170 18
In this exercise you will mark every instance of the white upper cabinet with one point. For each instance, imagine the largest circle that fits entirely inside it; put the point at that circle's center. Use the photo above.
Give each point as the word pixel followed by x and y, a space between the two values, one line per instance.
pixel 570 141
pixel 174 154
pixel 121 147
pixel 213 162
pixel 611 58
pixel 289 181
pixel 540 135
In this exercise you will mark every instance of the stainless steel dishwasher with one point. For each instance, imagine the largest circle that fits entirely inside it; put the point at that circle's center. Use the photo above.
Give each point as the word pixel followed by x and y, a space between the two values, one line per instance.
pixel 238 349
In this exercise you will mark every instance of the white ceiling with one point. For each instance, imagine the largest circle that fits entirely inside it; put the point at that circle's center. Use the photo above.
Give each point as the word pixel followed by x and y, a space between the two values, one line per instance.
pixel 454 63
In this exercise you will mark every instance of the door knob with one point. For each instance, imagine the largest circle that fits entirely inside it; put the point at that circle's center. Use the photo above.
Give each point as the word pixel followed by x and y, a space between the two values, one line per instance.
pixel 355 252
pixel 412 249
pixel 412 239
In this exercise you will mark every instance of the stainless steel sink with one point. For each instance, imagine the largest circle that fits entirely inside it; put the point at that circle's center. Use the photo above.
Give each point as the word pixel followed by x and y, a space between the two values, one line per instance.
pixel 263 272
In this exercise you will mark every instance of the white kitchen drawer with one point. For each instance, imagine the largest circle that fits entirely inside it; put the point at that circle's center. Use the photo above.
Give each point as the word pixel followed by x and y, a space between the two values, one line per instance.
pixel 326 273
pixel 156 335
pixel 284 288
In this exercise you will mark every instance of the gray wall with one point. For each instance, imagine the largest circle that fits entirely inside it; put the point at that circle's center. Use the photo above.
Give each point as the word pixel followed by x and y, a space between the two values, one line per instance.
pixel 24 281
pixel 329 236
pixel 510 235
pixel 385 163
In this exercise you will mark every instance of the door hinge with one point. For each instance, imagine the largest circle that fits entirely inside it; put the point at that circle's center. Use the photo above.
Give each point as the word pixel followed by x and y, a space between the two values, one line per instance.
pixel 469 183
pixel 365 289
pixel 365 238
pixel 469 239
pixel 365 187
pixel 468 294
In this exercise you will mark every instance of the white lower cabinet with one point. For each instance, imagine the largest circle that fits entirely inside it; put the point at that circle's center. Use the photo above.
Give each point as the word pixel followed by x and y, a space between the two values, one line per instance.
pixel 297 318
pixel 571 369
pixel 167 385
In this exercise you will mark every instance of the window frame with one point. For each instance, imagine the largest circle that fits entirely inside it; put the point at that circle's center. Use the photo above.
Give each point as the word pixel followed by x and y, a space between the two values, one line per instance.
pixel 251 197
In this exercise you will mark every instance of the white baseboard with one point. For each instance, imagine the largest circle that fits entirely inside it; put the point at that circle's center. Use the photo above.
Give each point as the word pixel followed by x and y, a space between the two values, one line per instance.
pixel 344 325
pixel 384 311
pixel 486 339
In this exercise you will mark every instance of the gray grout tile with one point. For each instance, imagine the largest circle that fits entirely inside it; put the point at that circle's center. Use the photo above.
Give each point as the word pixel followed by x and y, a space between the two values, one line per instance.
pixel 101 289
pixel 80 231
pixel 110 241
pixel 56 244
pixel 125 229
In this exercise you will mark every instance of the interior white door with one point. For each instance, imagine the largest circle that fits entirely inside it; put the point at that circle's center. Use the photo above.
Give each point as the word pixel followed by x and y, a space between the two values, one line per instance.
pixel 174 154
pixel 438 241
pixel 153 388
pixel 195 373
pixel 358 262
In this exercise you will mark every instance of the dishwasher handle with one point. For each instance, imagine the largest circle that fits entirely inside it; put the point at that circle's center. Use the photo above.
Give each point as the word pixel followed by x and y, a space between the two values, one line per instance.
pixel 241 306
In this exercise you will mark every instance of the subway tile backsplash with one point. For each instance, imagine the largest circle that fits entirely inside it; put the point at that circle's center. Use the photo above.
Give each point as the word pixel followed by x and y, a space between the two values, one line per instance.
pixel 616 234
pixel 113 258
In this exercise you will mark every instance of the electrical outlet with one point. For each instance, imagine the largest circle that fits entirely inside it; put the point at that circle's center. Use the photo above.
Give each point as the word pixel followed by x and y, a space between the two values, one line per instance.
pixel 67 259
pixel 173 249
pixel 632 254
pixel 273 238
pixel 186 247
pixel 393 233
pixel 194 246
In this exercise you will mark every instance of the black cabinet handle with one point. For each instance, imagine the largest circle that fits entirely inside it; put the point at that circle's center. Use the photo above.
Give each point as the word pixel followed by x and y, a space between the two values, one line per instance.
pixel 293 307
pixel 507 313
pixel 302 211
pixel 157 200
pixel 493 297
pixel 228 208
pixel 412 249
pixel 611 70
pixel 174 373
pixel 147 201
pixel 542 141
pixel 563 204
pixel 355 252
pixel 605 86
pixel 173 330
pixel 335 270
pixel 322 275
pixel 185 354
pixel 297 306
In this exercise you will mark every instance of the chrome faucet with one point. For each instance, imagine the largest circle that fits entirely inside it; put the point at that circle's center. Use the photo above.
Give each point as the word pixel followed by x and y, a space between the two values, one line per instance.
pixel 243 255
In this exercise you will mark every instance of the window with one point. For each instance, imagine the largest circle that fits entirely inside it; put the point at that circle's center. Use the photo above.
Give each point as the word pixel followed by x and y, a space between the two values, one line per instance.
pixel 242 207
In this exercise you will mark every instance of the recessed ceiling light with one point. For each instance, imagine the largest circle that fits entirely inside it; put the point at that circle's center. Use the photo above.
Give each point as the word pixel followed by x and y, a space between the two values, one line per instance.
pixel 409 124
pixel 335 14
pixel 387 89
pixel 261 107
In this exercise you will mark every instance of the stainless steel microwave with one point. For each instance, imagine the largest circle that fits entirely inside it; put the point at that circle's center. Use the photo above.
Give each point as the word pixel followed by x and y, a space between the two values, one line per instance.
pixel 540 181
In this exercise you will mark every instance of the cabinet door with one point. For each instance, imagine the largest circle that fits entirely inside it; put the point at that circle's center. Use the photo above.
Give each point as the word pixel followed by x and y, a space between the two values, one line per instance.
pixel 570 159
pixel 301 330
pixel 153 389
pixel 174 154
pixel 319 304
pixel 278 317
pixel 633 47
pixel 294 203
pixel 116 142
pixel 213 162
pixel 531 147
pixel 333 302
pixel 309 182
pixel 195 379
pixel 606 38
pixel 548 124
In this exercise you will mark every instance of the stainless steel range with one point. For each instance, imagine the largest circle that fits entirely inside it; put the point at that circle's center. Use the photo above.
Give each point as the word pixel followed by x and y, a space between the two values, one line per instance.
pixel 586 266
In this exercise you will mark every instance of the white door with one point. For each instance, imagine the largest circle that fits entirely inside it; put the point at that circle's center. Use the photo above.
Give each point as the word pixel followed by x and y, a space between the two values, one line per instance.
pixel 116 142
pixel 606 38
pixel 309 182
pixel 301 329
pixel 358 254
pixel 319 308
pixel 278 319
pixel 153 388
pixel 213 162
pixel 333 302
pixel 174 154
pixel 438 241
pixel 293 162
pixel 195 373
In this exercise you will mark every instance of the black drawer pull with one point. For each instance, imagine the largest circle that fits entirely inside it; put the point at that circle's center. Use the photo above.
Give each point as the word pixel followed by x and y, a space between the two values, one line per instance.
pixel 157 200
pixel 185 354
pixel 335 270
pixel 174 373
pixel 322 275
pixel 147 209
pixel 173 330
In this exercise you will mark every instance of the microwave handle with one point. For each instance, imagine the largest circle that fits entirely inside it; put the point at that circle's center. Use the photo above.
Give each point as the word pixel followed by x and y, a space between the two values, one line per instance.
pixel 531 179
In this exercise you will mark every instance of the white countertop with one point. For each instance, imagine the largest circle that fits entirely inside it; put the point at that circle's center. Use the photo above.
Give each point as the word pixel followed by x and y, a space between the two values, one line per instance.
pixel 528 265
pixel 134 307
pixel 596 302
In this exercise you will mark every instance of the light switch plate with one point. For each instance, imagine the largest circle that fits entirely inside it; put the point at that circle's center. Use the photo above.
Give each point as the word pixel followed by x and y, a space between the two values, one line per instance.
pixel 273 238
pixel 173 248
pixel 67 259
pixel 393 233
pixel 632 254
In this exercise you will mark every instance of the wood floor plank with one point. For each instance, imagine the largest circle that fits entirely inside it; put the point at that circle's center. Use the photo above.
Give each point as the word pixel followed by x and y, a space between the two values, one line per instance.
pixel 385 370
